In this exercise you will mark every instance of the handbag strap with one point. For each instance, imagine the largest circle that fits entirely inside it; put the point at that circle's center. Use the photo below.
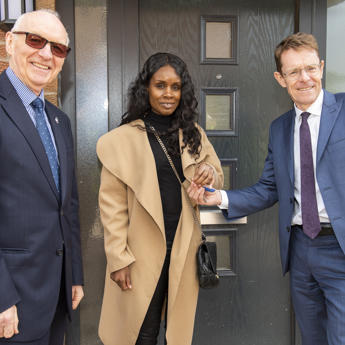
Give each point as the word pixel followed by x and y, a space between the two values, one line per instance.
pixel 196 219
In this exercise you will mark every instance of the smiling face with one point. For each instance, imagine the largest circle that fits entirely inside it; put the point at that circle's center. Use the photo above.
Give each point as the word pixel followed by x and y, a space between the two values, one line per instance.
pixel 36 67
pixel 305 87
pixel 165 91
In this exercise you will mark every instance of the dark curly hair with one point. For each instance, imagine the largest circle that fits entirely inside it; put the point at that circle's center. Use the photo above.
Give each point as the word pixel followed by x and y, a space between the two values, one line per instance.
pixel 185 114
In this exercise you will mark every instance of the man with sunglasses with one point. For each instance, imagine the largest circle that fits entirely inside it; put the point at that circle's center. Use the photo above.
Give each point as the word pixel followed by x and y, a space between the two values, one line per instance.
pixel 40 258
pixel 305 172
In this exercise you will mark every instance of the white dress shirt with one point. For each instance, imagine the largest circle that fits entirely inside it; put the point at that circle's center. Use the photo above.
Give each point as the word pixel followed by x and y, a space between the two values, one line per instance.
pixel 314 126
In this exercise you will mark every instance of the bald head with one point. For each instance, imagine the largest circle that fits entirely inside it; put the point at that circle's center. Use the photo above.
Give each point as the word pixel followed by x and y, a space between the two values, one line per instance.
pixel 36 67
pixel 25 20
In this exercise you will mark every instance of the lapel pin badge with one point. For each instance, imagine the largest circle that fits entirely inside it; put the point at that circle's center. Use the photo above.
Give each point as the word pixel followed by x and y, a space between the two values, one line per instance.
pixel 57 120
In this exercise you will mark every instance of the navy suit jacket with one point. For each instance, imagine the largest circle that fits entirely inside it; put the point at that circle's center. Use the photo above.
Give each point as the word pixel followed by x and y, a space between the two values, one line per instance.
pixel 35 223
pixel 277 180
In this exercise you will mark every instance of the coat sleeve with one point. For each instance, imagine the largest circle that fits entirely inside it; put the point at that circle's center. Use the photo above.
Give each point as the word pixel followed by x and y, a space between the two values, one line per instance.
pixel 114 214
pixel 211 158
pixel 257 197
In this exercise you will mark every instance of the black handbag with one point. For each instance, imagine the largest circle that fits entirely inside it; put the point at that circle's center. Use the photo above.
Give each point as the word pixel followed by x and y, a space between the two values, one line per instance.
pixel 206 256
pixel 207 264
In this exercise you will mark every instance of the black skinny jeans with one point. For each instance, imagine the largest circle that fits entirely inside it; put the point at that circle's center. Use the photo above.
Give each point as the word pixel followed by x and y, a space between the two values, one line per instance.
pixel 150 328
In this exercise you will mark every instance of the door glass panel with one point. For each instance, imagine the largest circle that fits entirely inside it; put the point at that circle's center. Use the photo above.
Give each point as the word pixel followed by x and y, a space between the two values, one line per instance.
pixel 218 40
pixel 335 73
pixel 223 251
pixel 226 172
pixel 219 109
pixel 218 112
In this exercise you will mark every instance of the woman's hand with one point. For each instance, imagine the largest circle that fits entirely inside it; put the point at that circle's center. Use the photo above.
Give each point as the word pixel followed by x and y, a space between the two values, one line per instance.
pixel 122 278
pixel 204 175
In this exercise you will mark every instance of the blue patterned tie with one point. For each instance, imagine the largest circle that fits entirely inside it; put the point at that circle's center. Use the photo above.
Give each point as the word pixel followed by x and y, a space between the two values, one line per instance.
pixel 47 141
pixel 310 214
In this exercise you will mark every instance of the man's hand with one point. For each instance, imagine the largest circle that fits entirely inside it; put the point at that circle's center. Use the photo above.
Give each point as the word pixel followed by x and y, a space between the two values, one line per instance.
pixel 201 197
pixel 9 322
pixel 77 295
pixel 122 278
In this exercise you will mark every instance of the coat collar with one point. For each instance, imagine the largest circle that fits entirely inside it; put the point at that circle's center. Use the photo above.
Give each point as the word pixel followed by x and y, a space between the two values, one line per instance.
pixel 126 153
pixel 14 108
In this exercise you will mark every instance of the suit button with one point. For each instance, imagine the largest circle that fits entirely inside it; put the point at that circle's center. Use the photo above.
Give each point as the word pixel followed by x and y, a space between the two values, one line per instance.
pixel 288 229
pixel 61 213
pixel 291 200
pixel 59 252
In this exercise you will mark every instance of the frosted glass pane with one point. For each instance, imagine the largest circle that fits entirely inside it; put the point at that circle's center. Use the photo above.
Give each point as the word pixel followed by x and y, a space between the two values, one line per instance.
pixel 218 112
pixel 223 251
pixel 218 40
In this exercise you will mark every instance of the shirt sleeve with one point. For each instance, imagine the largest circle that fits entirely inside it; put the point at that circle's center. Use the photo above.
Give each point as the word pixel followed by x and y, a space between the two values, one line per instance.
pixel 224 205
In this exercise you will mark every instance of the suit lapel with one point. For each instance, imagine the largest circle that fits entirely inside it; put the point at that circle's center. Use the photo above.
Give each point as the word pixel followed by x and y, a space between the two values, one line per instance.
pixel 289 139
pixel 329 114
pixel 60 146
pixel 14 108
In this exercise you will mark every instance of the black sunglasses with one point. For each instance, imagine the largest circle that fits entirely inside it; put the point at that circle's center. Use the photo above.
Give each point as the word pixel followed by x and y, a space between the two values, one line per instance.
pixel 38 42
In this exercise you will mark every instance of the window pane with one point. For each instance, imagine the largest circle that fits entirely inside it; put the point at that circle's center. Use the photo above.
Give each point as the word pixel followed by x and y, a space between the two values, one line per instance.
pixel 223 251
pixel 29 5
pixel 218 112
pixel 218 40
pixel 335 74
pixel 15 9
pixel 2 10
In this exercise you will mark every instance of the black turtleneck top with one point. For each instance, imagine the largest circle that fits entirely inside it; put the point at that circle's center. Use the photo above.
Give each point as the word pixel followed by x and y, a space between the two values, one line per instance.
pixel 169 186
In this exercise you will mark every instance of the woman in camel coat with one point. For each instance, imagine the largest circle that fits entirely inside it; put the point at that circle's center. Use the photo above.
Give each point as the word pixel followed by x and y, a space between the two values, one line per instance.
pixel 137 189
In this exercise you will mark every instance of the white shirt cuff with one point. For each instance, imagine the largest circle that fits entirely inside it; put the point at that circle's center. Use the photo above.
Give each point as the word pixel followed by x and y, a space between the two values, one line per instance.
pixel 224 205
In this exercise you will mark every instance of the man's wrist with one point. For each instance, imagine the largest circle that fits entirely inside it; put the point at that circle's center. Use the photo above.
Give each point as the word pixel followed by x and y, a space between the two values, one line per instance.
pixel 224 202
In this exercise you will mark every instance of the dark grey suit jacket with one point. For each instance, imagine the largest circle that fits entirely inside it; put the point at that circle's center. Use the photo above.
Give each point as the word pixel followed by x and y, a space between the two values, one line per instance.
pixel 39 230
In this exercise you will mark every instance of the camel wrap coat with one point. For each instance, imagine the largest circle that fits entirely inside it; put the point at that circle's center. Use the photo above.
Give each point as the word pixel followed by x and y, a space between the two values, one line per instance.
pixel 134 236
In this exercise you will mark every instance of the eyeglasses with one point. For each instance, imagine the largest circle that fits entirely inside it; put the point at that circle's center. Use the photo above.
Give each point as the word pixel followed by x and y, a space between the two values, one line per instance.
pixel 295 73
pixel 38 42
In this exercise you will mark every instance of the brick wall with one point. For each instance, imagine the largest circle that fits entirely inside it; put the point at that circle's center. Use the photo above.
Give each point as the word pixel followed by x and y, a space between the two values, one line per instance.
pixel 51 90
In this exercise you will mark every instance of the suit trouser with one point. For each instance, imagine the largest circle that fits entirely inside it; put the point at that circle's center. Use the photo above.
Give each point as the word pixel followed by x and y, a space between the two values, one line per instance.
pixel 317 277
pixel 150 328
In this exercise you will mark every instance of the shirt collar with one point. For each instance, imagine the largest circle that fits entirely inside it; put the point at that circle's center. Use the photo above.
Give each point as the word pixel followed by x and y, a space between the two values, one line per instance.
pixel 24 93
pixel 314 109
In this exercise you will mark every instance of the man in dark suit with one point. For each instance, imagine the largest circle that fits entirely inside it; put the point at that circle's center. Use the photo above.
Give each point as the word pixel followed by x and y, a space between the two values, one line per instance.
pixel 305 172
pixel 40 259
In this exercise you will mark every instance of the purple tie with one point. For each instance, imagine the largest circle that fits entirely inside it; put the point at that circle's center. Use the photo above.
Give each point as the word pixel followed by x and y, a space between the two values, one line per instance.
pixel 310 214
